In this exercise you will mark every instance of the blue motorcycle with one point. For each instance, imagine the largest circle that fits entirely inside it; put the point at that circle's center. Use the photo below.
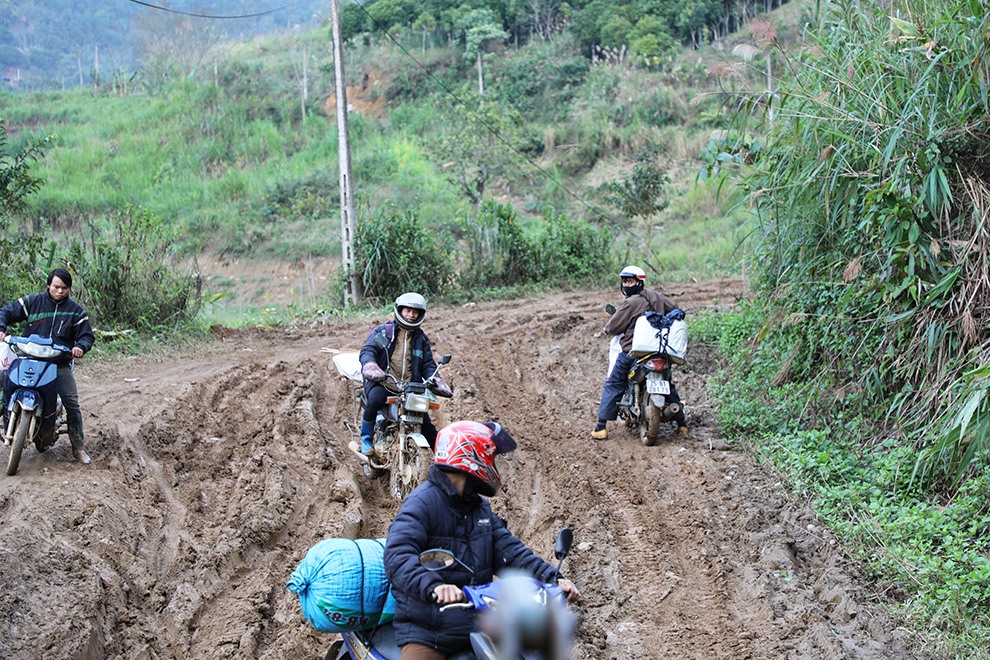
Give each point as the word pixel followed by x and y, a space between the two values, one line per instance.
pixel 30 389
pixel 517 617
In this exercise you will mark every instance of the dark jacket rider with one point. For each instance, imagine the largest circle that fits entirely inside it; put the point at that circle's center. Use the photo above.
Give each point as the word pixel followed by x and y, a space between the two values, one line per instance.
pixel 448 511
pixel 399 349
pixel 54 314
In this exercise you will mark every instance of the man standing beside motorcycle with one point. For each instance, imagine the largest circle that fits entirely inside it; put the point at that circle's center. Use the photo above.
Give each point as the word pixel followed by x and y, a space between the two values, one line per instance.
pixel 449 511
pixel 399 349
pixel 637 300
pixel 54 314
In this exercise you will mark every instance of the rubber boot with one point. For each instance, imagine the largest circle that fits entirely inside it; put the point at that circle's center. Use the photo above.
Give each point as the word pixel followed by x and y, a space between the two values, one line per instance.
pixel 367 432
pixel 73 420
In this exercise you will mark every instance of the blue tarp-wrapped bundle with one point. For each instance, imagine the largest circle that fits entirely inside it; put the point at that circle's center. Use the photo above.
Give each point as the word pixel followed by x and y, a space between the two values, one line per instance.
pixel 342 585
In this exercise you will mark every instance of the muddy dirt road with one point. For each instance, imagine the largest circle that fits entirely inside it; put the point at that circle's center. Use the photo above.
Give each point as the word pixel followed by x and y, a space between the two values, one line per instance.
pixel 213 474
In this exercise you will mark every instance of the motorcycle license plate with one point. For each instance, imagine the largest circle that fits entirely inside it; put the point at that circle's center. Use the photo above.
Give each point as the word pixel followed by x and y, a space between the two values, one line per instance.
pixel 656 385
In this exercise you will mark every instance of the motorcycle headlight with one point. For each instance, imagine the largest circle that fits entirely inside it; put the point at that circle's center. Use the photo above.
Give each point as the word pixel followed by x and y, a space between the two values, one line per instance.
pixel 39 351
pixel 417 403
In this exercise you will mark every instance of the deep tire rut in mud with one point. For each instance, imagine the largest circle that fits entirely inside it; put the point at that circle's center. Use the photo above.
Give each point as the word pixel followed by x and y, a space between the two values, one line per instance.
pixel 213 473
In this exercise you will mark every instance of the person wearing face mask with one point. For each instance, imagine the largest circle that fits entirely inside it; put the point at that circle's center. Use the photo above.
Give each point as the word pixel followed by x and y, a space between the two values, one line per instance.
pixel 637 300
pixel 450 510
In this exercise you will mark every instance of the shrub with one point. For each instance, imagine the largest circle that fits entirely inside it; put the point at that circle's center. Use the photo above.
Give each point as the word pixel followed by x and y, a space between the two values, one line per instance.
pixel 396 252
pixel 129 284
pixel 498 251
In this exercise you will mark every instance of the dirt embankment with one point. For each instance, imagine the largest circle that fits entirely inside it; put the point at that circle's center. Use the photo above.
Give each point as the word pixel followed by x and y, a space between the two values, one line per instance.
pixel 213 474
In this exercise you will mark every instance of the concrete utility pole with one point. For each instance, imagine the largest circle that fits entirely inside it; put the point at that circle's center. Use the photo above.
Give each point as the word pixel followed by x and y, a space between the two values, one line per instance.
pixel 347 224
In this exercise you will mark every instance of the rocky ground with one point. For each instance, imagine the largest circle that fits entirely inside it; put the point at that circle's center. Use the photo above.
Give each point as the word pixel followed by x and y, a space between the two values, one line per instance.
pixel 214 472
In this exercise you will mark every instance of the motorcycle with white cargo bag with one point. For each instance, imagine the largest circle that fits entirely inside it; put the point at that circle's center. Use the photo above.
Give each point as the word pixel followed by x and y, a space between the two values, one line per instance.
pixel 659 342
pixel 399 446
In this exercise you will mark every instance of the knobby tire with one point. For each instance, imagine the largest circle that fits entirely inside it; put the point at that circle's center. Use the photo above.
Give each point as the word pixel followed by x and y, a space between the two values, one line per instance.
pixel 17 445
pixel 650 424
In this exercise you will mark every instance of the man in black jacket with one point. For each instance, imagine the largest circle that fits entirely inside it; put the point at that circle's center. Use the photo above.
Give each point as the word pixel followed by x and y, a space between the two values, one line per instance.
pixel 449 511
pixel 54 314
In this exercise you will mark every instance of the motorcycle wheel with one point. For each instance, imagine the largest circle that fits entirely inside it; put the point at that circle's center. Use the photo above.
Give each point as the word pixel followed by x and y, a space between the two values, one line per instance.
pixel 410 468
pixel 650 424
pixel 23 424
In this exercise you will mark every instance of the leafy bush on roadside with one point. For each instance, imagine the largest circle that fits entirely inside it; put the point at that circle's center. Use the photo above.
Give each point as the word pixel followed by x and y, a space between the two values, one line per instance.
pixel 396 252
pixel 933 552
pixel 129 282
pixel 553 250
pixel 498 251
pixel 26 259
pixel 572 251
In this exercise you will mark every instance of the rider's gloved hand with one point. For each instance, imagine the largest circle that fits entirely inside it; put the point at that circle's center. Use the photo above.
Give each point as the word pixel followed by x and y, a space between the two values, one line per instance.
pixel 372 372
pixel 441 388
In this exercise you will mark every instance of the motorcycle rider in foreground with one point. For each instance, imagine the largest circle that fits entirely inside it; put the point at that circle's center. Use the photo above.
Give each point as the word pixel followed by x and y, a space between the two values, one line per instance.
pixel 636 301
pixel 449 511
pixel 399 348
pixel 52 313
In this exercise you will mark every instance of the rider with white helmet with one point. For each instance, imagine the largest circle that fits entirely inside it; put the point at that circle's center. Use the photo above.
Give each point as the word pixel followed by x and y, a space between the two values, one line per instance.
pixel 637 300
pixel 399 348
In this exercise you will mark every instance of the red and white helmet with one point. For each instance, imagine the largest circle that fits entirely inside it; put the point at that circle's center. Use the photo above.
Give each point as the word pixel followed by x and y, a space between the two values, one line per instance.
pixel 471 447
pixel 632 271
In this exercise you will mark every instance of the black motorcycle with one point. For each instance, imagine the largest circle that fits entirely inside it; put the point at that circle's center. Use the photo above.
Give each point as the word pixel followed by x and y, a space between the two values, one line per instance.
pixel 646 404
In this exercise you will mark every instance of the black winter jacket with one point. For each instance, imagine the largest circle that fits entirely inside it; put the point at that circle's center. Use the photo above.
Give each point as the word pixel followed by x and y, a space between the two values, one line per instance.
pixel 435 515
pixel 380 343
pixel 66 322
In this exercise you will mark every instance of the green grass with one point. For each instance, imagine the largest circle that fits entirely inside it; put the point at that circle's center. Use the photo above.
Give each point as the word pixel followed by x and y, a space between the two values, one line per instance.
pixel 929 552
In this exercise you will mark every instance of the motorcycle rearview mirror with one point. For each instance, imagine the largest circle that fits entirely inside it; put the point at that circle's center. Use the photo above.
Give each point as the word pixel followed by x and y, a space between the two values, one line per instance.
pixel 437 559
pixel 610 309
pixel 444 359
pixel 565 538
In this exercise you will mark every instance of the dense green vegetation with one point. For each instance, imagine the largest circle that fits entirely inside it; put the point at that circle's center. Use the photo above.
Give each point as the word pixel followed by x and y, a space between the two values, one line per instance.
pixel 240 159
pixel 861 369
pixel 127 282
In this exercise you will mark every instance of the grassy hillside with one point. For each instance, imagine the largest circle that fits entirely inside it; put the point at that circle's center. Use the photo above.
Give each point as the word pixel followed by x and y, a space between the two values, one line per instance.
pixel 241 165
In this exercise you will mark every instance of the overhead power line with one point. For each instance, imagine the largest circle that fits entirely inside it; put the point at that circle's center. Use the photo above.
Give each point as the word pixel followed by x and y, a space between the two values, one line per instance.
pixel 187 13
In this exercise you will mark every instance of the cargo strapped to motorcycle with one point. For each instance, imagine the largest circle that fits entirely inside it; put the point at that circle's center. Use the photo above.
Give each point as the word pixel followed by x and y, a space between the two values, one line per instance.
pixel 660 333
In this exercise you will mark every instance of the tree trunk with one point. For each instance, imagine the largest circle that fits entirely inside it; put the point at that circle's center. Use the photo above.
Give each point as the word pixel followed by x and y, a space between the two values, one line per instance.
pixel 481 76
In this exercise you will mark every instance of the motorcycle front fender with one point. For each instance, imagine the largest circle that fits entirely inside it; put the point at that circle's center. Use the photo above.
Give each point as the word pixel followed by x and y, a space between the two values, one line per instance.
pixel 28 400
pixel 419 439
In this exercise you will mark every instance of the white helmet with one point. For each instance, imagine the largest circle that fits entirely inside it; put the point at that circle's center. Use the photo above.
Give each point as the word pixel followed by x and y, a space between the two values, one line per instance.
pixel 412 301
pixel 632 271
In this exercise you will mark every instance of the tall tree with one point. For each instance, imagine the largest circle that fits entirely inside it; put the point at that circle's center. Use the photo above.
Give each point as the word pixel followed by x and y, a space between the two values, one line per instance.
pixel 479 144
pixel 480 28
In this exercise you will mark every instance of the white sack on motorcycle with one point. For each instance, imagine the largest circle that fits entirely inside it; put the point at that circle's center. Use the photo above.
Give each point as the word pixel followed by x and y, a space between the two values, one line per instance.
pixel 342 585
pixel 647 339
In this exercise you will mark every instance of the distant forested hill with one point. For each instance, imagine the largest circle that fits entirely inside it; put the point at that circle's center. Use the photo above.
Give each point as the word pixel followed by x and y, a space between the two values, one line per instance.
pixel 51 44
